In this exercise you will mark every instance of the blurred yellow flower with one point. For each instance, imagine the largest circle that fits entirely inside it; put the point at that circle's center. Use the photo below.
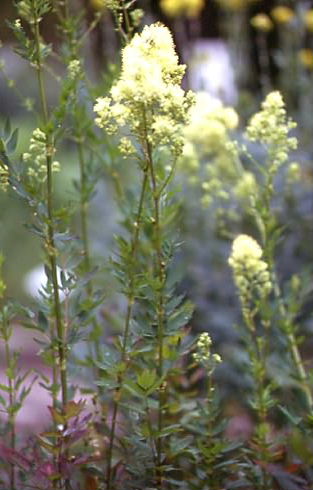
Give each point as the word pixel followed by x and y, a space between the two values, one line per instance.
pixel 306 57
pixel 98 4
pixel 173 8
pixel 282 14
pixel 308 19
pixel 262 22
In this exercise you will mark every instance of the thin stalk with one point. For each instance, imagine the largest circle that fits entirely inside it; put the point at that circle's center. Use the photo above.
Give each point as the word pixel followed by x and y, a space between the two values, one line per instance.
pixel 282 310
pixel 160 305
pixel 258 361
pixel 126 18
pixel 128 317
pixel 49 240
pixel 83 210
pixel 293 346
pixel 11 414
pixel 150 430
pixel 50 245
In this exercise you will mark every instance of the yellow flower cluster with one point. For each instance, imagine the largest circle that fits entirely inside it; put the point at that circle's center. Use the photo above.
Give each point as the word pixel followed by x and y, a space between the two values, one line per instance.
pixel 209 123
pixel 251 273
pixel 306 58
pixel 246 188
pixel 282 14
pixel 271 127
pixel 262 22
pixel 206 157
pixel 36 157
pixel 104 4
pixel 174 8
pixel 4 177
pixel 308 20
pixel 147 101
pixel 203 355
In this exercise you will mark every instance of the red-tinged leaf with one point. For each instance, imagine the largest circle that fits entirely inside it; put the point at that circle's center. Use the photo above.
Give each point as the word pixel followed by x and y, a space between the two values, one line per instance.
pixel 14 457
pixel 47 470
pixel 294 467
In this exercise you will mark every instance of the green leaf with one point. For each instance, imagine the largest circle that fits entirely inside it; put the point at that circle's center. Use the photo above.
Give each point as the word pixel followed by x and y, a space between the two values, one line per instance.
pixel 146 379
pixel 5 388
pixel 43 322
pixel 7 128
pixel 12 142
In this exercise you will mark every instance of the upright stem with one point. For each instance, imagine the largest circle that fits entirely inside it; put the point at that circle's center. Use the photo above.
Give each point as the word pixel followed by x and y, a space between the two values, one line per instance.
pixel 11 413
pixel 160 304
pixel 128 317
pixel 50 244
pixel 83 210
pixel 294 347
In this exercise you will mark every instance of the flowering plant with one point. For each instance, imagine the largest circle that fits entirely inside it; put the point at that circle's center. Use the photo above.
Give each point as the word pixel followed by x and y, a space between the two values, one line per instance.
pixel 136 399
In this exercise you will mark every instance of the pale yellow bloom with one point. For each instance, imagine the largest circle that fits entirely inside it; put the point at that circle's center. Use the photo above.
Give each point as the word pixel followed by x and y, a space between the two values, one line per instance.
pixel 251 273
pixel 246 187
pixel 36 156
pixel 306 57
pixel 4 177
pixel 147 100
pixel 308 19
pixel 270 126
pixel 174 8
pixel 262 22
pixel 204 356
pixel 282 14
pixel 209 123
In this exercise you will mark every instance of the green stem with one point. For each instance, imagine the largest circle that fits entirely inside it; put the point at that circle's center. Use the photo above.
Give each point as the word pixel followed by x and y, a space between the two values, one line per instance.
pixel 268 194
pixel 293 346
pixel 160 303
pixel 128 317
pixel 84 232
pixel 49 240
pixel 11 412
pixel 50 245
pixel 150 431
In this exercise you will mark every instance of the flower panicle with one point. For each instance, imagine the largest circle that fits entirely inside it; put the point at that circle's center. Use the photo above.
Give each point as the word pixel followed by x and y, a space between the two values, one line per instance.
pixel 204 355
pixel 251 274
pixel 147 101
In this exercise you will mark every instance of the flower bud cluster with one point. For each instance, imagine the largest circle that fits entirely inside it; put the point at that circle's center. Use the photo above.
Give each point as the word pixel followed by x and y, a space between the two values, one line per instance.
pixel 203 355
pixel 74 69
pixel 36 156
pixel 246 188
pixel 4 177
pixel 271 127
pixel 147 102
pixel 251 273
